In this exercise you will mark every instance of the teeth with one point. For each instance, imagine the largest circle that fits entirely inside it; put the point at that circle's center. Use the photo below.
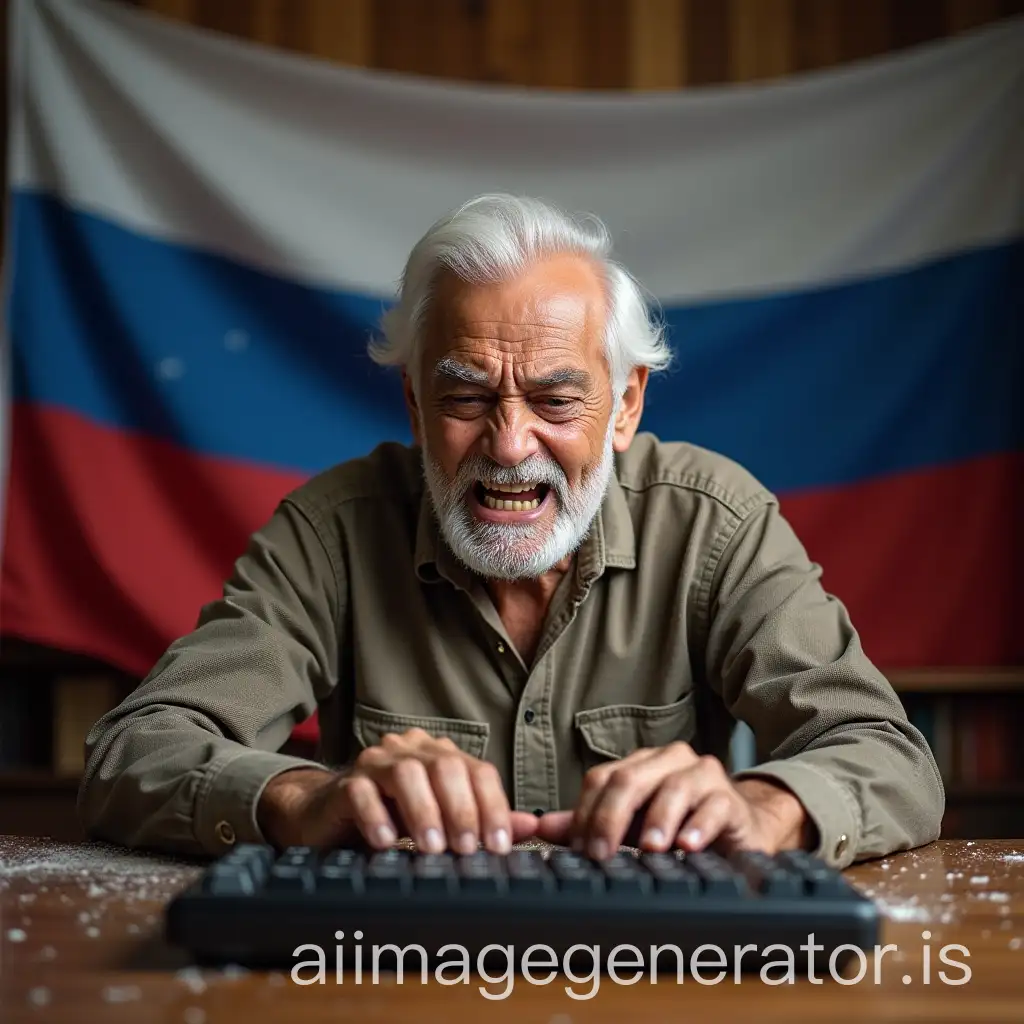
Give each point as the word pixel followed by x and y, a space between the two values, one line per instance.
pixel 510 506
pixel 508 488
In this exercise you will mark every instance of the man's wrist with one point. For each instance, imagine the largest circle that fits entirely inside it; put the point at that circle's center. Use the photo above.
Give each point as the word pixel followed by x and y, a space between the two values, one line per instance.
pixel 783 817
pixel 283 800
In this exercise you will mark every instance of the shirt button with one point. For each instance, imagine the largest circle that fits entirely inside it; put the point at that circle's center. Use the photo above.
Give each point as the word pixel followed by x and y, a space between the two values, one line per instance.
pixel 226 833
pixel 528 715
pixel 501 648
pixel 841 845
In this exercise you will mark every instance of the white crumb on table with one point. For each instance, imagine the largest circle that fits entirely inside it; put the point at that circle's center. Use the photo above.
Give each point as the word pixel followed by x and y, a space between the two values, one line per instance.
pixel 122 993
pixel 910 910
pixel 16 935
pixel 192 979
pixel 39 996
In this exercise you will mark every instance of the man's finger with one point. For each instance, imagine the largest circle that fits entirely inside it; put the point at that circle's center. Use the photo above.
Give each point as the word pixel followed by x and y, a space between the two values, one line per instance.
pixel 594 784
pixel 555 827
pixel 630 786
pixel 407 783
pixel 492 804
pixel 449 777
pixel 707 821
pixel 367 810
pixel 523 825
pixel 676 797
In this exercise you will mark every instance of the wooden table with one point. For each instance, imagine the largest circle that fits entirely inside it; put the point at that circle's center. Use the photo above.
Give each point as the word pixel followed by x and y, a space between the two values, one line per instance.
pixel 80 941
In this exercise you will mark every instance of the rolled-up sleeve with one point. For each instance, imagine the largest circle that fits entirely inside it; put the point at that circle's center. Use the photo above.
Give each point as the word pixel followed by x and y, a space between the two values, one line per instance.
pixel 786 659
pixel 181 763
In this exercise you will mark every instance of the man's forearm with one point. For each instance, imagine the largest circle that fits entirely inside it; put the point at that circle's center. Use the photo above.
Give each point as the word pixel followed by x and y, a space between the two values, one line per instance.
pixel 159 780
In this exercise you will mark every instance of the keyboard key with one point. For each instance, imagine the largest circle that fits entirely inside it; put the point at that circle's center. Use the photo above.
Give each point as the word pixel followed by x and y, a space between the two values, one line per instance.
pixel 825 883
pixel 229 880
pixel 818 878
pixel 389 872
pixel 298 857
pixel 342 872
pixel 566 859
pixel 769 877
pixel 528 873
pixel 575 874
pixel 334 879
pixel 481 873
pixel 523 862
pixel 291 878
pixel 670 876
pixel 344 859
pixel 716 876
pixel 434 873
pixel 252 859
pixel 624 874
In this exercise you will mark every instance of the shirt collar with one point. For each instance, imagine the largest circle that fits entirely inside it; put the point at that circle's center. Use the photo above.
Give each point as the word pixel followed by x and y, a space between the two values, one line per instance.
pixel 611 542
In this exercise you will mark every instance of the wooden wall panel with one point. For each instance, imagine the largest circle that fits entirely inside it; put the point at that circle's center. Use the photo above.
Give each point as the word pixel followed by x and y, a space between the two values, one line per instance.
pixel 658 52
pixel 591 44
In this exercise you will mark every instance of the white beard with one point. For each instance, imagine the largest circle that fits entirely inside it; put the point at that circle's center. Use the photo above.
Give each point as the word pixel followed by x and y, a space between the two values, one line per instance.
pixel 515 551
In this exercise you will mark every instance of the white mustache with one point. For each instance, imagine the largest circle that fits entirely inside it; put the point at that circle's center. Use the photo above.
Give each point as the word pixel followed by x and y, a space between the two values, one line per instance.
pixel 541 471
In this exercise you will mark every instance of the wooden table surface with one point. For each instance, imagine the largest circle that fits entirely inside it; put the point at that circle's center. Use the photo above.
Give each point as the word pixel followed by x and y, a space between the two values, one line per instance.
pixel 81 927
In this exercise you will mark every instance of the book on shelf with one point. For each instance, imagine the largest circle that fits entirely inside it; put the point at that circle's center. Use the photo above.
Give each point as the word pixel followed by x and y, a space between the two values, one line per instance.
pixel 973 738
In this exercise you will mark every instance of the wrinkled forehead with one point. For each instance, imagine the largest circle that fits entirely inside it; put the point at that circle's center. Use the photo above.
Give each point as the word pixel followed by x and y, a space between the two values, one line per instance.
pixel 552 313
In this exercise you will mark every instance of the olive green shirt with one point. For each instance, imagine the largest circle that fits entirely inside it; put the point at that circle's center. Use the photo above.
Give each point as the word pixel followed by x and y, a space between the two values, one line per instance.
pixel 691 605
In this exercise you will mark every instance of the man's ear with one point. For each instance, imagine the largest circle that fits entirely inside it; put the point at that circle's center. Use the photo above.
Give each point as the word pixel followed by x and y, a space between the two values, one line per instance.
pixel 412 407
pixel 631 408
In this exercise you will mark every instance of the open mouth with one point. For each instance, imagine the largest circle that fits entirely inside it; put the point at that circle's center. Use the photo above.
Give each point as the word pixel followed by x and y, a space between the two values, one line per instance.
pixel 510 497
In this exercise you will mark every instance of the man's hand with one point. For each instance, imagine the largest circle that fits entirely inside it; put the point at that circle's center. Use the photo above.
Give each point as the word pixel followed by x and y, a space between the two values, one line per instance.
pixel 670 796
pixel 409 785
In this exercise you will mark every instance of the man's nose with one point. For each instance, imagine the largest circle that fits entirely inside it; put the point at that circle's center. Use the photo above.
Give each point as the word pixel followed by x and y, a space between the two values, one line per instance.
pixel 510 438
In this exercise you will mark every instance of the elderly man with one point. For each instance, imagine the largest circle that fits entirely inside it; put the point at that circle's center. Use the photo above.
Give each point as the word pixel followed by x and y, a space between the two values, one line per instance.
pixel 534 622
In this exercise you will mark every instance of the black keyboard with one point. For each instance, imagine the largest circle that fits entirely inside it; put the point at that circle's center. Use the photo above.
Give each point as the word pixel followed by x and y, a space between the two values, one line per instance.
pixel 256 908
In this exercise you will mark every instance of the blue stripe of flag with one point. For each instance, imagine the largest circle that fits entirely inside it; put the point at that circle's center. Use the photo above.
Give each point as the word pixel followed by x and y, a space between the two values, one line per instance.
pixel 827 386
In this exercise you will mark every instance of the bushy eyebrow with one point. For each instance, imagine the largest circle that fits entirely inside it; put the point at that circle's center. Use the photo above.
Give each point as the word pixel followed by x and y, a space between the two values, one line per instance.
pixel 452 369
pixel 574 378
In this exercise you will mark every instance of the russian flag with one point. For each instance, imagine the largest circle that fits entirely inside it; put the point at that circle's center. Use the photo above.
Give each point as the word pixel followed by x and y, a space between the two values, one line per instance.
pixel 203 234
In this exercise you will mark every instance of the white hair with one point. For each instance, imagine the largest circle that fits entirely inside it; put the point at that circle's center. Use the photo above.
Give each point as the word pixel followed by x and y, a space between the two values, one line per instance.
pixel 494 238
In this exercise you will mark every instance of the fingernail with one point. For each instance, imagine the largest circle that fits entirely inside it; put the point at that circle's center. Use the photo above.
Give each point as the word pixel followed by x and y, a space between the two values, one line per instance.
pixel 386 835
pixel 434 841
pixel 466 843
pixel 692 837
pixel 501 841
pixel 654 837
pixel 598 849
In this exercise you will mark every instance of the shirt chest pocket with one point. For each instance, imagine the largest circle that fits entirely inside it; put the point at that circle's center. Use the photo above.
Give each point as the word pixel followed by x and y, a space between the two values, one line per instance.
pixel 617 730
pixel 371 725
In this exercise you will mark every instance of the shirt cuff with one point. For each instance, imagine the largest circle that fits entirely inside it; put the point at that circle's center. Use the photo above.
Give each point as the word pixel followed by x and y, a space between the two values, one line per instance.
pixel 225 812
pixel 827 803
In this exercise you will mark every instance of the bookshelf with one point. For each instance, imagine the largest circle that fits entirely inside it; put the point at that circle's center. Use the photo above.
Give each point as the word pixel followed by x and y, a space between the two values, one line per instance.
pixel 969 717
pixel 49 700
